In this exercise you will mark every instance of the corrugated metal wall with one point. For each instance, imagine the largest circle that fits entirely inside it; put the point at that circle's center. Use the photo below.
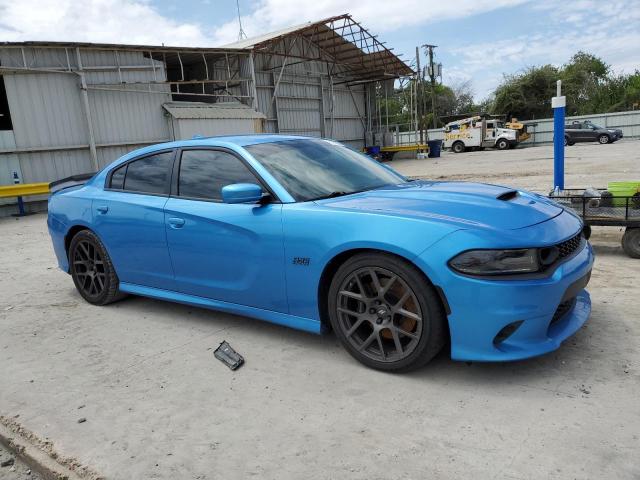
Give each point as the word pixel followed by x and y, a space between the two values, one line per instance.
pixel 186 128
pixel 49 121
pixel 308 100
pixel 51 138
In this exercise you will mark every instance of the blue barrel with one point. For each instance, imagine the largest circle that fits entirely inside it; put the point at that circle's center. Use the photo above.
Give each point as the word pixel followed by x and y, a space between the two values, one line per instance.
pixel 434 148
pixel 373 151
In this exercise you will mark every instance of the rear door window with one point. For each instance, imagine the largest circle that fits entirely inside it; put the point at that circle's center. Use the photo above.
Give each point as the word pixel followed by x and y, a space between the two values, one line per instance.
pixel 203 173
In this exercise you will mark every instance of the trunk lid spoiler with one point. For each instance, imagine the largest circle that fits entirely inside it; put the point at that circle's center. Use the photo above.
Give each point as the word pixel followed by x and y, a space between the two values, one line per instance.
pixel 72 181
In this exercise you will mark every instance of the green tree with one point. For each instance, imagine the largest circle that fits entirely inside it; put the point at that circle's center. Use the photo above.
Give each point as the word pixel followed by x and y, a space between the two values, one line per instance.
pixel 587 82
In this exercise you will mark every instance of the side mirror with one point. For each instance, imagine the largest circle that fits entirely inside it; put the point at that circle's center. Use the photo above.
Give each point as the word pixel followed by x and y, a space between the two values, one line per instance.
pixel 241 193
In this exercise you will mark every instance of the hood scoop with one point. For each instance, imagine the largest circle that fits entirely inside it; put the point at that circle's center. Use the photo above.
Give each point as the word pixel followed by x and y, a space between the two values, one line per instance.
pixel 508 195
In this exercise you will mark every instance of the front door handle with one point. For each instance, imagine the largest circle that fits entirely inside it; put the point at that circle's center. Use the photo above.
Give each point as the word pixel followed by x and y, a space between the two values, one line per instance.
pixel 175 222
pixel 102 208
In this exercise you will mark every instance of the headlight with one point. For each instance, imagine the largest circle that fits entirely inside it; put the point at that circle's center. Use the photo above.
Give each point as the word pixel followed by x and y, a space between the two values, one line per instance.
pixel 496 262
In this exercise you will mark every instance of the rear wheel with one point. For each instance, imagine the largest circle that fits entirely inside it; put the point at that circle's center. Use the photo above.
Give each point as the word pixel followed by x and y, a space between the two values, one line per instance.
pixel 502 144
pixel 91 269
pixel 604 139
pixel 631 242
pixel 457 147
pixel 385 313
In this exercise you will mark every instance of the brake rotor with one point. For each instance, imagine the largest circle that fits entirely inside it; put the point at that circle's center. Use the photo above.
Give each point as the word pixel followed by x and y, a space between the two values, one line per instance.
pixel 407 324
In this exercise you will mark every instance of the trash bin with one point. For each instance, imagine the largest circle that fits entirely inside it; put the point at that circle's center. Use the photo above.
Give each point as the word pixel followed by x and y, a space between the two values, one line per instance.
pixel 622 189
pixel 373 151
pixel 434 148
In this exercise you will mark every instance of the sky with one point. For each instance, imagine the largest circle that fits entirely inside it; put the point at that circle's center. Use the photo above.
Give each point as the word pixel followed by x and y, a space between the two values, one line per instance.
pixel 478 41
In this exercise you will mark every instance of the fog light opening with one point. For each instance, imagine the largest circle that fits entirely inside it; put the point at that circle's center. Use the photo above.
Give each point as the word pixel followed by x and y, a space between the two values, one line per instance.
pixel 506 332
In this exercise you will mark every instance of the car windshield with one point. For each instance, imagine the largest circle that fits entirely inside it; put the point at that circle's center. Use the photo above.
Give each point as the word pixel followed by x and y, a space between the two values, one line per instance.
pixel 313 169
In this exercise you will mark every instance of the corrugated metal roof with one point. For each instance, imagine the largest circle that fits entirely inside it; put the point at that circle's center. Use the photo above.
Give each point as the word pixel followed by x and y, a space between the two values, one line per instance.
pixel 224 110
pixel 118 46
pixel 250 42
pixel 341 38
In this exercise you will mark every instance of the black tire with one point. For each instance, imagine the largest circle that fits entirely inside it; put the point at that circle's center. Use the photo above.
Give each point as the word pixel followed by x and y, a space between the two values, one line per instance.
pixel 502 144
pixel 566 141
pixel 386 332
pixel 457 147
pixel 631 242
pixel 387 156
pixel 604 139
pixel 606 199
pixel 91 269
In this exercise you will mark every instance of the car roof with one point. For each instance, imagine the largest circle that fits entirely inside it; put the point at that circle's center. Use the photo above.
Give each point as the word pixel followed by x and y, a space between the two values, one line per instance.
pixel 240 140
pixel 228 141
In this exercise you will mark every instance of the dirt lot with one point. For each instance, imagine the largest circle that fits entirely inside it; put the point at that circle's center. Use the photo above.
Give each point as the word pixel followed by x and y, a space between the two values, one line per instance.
pixel 158 405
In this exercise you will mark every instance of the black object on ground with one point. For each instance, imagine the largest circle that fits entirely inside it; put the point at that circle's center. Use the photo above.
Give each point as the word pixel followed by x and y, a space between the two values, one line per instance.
pixel 227 355
pixel 7 463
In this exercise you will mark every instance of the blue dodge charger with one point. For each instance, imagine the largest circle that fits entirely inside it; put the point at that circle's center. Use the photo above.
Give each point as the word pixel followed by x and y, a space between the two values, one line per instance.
pixel 310 234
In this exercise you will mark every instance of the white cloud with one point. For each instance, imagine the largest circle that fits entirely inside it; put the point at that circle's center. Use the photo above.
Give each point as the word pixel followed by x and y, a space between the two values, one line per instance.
pixel 137 21
pixel 608 30
pixel 108 21
pixel 380 15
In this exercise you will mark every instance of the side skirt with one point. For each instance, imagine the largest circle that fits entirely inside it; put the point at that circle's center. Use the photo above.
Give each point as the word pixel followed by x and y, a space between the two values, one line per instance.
pixel 300 323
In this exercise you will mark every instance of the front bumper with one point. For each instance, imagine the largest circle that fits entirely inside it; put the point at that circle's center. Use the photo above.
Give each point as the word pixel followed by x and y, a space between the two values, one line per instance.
pixel 482 308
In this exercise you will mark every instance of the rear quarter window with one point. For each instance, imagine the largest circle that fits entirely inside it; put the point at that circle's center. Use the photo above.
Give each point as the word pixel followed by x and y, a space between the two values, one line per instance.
pixel 150 175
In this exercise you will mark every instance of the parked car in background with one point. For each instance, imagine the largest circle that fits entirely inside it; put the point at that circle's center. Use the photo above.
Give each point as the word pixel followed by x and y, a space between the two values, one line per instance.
pixel 590 132
pixel 310 234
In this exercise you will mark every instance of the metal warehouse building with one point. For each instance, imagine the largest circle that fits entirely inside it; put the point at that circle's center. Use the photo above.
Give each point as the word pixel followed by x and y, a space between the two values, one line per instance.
pixel 71 108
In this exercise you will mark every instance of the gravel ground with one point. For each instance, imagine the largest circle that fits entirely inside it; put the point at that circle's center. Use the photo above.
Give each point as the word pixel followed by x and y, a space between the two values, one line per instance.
pixel 158 405
pixel 17 470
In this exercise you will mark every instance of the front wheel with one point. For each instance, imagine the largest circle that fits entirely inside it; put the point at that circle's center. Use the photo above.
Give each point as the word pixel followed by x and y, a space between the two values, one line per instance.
pixel 91 269
pixel 457 147
pixel 604 139
pixel 502 144
pixel 631 242
pixel 385 313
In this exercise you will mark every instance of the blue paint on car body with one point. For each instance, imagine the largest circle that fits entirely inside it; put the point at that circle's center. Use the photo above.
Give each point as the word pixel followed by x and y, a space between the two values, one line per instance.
pixel 241 257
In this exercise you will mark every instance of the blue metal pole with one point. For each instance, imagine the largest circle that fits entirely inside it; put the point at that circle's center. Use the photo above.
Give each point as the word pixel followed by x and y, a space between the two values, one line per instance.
pixel 16 181
pixel 558 104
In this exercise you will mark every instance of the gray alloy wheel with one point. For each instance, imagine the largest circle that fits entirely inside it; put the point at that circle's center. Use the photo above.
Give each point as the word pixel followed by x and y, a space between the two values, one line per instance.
pixel 457 147
pixel 91 269
pixel 603 139
pixel 385 313
pixel 631 242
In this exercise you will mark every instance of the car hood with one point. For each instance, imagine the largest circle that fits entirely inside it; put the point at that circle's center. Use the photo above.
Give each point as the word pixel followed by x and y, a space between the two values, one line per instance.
pixel 471 204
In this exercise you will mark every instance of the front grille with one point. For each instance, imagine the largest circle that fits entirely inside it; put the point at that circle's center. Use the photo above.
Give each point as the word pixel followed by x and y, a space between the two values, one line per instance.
pixel 564 308
pixel 566 248
pixel 555 254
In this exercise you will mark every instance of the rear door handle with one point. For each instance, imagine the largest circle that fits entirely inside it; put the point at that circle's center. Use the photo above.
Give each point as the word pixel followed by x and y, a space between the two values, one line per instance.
pixel 175 222
pixel 102 209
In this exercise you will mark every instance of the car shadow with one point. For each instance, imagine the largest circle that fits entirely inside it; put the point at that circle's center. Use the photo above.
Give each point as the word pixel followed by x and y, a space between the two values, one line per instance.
pixel 574 354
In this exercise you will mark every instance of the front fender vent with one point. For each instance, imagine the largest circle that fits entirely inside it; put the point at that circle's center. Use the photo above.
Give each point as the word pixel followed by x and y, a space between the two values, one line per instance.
pixel 508 195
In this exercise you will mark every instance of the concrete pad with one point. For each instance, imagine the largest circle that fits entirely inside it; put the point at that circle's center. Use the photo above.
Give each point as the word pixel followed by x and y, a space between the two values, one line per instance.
pixel 159 405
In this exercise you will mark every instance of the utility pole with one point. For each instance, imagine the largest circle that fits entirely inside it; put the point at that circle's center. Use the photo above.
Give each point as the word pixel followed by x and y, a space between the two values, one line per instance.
pixel 432 75
pixel 241 34
pixel 418 100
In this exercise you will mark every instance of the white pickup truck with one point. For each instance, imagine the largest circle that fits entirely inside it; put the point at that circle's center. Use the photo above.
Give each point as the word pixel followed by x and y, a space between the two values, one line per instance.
pixel 478 132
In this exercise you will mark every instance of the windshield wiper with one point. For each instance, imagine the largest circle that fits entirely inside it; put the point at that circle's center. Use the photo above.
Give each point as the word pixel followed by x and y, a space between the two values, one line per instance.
pixel 332 195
